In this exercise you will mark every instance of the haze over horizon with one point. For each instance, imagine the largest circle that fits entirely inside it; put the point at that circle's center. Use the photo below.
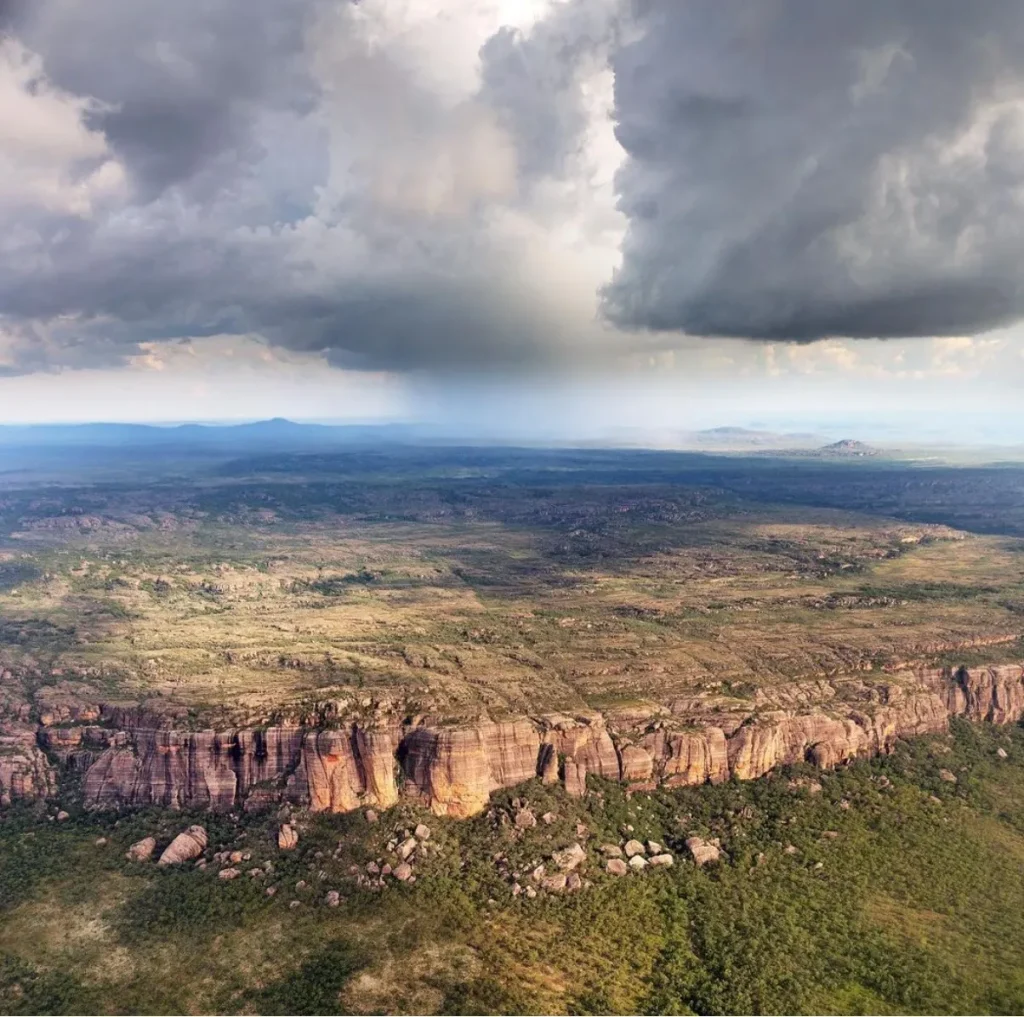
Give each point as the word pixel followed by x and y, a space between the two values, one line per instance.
pixel 542 217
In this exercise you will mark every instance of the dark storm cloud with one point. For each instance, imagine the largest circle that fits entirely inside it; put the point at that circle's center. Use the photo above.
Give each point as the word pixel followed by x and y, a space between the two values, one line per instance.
pixel 179 86
pixel 262 166
pixel 799 169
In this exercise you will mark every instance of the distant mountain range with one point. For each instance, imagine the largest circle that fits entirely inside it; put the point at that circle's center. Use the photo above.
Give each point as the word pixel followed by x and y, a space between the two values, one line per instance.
pixel 277 432
pixel 280 434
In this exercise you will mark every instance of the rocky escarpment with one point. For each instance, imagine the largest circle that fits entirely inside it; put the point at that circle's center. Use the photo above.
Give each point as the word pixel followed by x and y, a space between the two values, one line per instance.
pixel 134 756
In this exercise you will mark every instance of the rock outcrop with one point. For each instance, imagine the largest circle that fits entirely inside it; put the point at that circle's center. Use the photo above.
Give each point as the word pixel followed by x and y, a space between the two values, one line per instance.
pixel 189 844
pixel 25 772
pixel 139 754
pixel 141 850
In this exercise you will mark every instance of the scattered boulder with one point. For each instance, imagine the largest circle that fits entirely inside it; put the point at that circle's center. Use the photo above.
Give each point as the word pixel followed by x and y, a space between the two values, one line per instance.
pixel 227 874
pixel 573 881
pixel 616 867
pixel 100 841
pixel 235 857
pixel 333 898
pixel 790 849
pixel 189 844
pixel 634 848
pixel 402 872
pixel 663 859
pixel 569 858
pixel 525 819
pixel 287 837
pixel 141 850
pixel 531 892
pixel 654 848
pixel 373 868
pixel 703 851
pixel 548 818
pixel 555 882
pixel 270 891
pixel 422 832
pixel 638 863
pixel 1000 752
pixel 948 776
pixel 406 848
pixel 62 815
pixel 611 850
pixel 371 816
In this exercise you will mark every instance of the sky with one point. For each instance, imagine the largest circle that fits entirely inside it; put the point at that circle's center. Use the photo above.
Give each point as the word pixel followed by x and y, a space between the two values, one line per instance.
pixel 573 217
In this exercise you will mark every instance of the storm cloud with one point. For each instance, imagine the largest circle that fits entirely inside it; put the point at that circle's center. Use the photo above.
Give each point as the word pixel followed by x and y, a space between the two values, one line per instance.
pixel 376 182
pixel 487 185
pixel 799 169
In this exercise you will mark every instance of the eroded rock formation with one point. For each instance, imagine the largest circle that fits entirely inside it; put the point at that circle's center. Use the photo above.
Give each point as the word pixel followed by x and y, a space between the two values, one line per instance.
pixel 133 755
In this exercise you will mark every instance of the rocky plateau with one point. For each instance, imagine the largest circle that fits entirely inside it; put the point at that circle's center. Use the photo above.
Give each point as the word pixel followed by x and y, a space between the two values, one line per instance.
pixel 130 755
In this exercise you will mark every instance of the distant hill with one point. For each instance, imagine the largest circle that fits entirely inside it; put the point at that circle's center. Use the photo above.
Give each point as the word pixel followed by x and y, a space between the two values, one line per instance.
pixel 848 447
pixel 275 433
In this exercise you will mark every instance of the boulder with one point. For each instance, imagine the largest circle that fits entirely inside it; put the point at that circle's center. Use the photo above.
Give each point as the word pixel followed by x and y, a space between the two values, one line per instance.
pixel 371 817
pixel 525 819
pixel 638 863
pixel 62 815
pixel 189 844
pixel 569 858
pixel 703 851
pixel 555 882
pixel 422 832
pixel 654 848
pixel 333 898
pixel 227 874
pixel 407 847
pixel 403 871
pixel 549 817
pixel 573 881
pixel 611 850
pixel 1000 752
pixel 633 848
pixel 287 837
pixel 948 776
pixel 141 850
pixel 664 859
pixel 616 867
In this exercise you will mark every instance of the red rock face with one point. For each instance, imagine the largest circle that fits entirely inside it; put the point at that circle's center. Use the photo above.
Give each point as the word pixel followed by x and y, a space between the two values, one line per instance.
pixel 25 772
pixel 454 769
pixel 995 694
pixel 584 739
pixel 691 757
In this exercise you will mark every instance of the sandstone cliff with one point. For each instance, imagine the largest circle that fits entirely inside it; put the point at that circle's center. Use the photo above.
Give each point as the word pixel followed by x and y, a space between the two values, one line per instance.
pixel 136 755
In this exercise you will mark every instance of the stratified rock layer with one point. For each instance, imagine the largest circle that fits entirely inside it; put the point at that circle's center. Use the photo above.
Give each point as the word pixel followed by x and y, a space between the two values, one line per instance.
pixel 134 756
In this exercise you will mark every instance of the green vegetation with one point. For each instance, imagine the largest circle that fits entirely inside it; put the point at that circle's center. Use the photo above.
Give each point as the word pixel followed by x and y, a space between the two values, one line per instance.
pixel 890 890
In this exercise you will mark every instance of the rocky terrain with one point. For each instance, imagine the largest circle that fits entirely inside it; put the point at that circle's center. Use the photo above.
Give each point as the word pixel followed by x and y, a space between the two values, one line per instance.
pixel 129 754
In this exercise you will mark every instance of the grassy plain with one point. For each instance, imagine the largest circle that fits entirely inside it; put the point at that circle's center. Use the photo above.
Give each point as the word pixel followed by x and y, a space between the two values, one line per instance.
pixel 500 581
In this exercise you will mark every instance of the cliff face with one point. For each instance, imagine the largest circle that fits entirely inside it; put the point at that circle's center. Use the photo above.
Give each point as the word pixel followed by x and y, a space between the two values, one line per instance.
pixel 25 772
pixel 137 757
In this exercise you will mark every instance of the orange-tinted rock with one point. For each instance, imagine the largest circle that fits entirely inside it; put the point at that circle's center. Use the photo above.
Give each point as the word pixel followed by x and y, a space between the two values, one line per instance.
pixel 186 846
pixel 575 779
pixel 689 757
pixel 584 739
pixel 636 763
pixel 994 694
pixel 25 772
